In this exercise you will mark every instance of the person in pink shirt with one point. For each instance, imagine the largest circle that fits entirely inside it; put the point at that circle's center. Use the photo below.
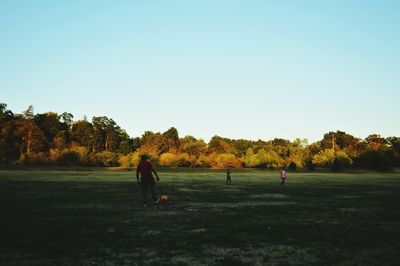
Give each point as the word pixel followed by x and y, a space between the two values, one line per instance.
pixel 283 177
pixel 145 179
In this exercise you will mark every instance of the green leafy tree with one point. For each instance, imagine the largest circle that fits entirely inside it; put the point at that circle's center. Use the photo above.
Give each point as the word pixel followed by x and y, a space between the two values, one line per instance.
pixel 374 160
pixel 298 154
pixel 106 134
pixel 324 158
pixel 83 134
pixel 111 137
pixel 8 139
pixel 151 143
pixel 60 141
pixel 28 113
pixel 261 158
pixel 170 140
pixel 126 146
pixel 66 119
pixel 240 146
pixel 281 146
pixel 192 146
pixel 50 124
pixel 5 114
pixel 394 143
pixel 220 145
pixel 250 159
pixel 273 160
pixel 338 140
pixel 9 142
pixel 344 160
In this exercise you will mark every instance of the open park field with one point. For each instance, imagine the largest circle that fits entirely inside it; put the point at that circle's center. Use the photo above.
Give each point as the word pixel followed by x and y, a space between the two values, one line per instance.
pixel 96 218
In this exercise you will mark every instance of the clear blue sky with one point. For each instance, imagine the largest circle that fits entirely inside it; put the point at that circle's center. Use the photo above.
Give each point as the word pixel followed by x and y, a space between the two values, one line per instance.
pixel 239 69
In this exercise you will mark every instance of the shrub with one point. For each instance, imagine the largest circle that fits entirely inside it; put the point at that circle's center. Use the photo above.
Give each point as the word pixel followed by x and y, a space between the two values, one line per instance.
pixel 168 159
pixel 135 158
pixel 251 159
pixel 310 166
pixel 36 158
pixel 202 161
pixel 374 160
pixel 225 160
pixel 124 160
pixel 107 158
pixel 183 160
pixel 337 165
pixel 69 158
pixel 324 158
pixel 292 166
pixel 344 161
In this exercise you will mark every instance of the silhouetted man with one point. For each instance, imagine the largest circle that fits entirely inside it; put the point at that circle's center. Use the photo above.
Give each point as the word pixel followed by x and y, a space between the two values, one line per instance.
pixel 146 181
pixel 228 177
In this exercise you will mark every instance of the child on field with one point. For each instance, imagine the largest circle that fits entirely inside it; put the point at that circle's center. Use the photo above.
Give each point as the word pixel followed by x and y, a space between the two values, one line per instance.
pixel 283 177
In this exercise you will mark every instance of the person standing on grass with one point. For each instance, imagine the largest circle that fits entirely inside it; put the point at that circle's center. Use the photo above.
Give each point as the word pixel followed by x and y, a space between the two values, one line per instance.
pixel 146 181
pixel 283 177
pixel 228 177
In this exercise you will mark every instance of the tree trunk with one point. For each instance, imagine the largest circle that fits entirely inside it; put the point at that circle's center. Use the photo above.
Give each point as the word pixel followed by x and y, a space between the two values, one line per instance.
pixel 29 142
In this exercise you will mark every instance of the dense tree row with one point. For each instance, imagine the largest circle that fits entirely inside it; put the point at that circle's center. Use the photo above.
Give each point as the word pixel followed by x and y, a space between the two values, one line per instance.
pixel 56 139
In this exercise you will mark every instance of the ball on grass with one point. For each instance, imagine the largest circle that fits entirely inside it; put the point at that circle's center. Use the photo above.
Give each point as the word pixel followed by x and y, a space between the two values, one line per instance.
pixel 164 198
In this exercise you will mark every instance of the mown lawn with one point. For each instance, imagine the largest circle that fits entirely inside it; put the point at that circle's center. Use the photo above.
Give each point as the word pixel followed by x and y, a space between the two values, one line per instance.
pixel 96 218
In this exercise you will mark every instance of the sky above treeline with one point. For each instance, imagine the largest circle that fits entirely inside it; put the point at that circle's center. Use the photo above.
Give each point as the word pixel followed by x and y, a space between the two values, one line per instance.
pixel 238 69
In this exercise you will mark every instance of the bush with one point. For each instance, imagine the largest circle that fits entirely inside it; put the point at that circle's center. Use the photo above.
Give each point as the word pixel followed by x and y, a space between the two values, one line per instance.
pixel 183 160
pixel 135 158
pixel 129 160
pixel 324 158
pixel 337 165
pixel 374 160
pixel 203 161
pixel 225 160
pixel 69 158
pixel 89 159
pixel 38 158
pixel 292 166
pixel 124 160
pixel 344 160
pixel 310 166
pixel 107 158
pixel 168 159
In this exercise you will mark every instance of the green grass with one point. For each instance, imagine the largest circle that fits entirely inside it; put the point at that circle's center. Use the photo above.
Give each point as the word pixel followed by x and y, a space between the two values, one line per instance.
pixel 96 218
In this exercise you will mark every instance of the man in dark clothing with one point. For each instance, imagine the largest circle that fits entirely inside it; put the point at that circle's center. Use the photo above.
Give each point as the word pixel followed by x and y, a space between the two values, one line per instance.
pixel 228 177
pixel 146 181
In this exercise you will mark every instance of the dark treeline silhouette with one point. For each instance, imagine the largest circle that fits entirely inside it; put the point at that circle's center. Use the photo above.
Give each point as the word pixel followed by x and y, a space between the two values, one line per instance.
pixel 56 139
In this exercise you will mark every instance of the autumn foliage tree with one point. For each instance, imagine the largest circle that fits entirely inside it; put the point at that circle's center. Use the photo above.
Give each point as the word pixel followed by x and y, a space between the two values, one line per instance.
pixel 56 139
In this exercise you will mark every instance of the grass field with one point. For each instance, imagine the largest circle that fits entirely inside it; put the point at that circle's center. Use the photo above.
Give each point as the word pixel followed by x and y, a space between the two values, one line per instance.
pixel 96 218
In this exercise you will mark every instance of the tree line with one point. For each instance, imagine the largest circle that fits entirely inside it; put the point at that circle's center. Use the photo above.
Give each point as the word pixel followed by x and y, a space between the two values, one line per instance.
pixel 56 139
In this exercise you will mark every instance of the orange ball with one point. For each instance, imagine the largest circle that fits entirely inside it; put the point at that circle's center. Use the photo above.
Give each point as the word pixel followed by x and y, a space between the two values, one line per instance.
pixel 164 198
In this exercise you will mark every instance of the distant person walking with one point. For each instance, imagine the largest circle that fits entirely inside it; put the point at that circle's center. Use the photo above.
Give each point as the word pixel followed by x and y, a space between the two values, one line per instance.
pixel 228 177
pixel 146 181
pixel 283 177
